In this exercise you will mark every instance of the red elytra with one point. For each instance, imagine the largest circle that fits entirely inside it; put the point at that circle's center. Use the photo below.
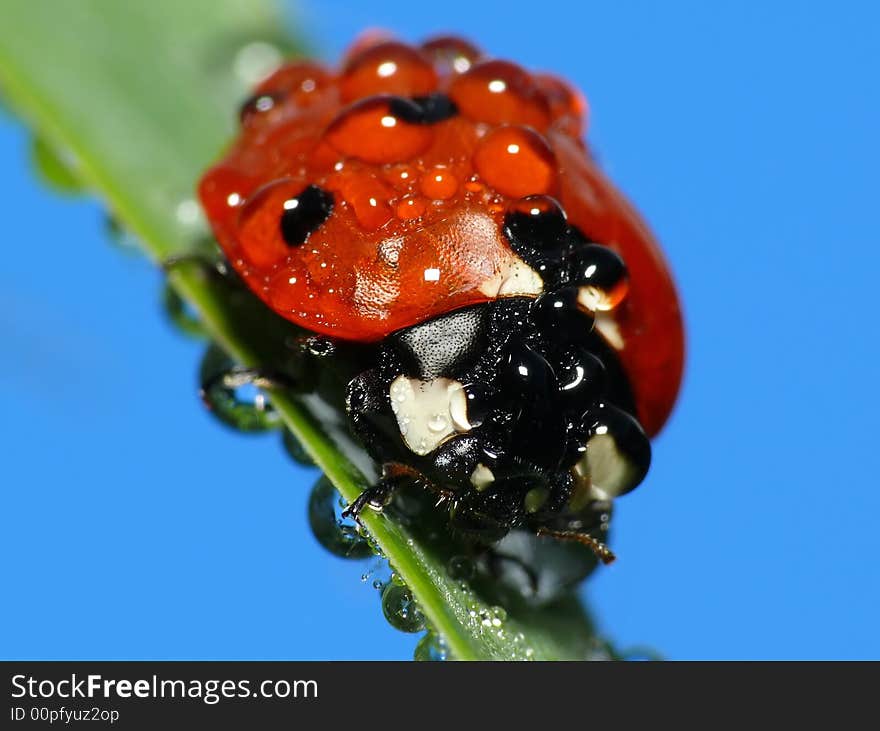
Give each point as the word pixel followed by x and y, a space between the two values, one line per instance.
pixel 415 229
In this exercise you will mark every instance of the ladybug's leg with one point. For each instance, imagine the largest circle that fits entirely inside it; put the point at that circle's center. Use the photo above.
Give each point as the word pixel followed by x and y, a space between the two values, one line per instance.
pixel 375 498
pixel 394 475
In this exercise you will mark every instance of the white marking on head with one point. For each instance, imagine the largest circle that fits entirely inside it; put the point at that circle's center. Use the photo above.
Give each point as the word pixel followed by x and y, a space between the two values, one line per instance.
pixel 482 477
pixel 428 412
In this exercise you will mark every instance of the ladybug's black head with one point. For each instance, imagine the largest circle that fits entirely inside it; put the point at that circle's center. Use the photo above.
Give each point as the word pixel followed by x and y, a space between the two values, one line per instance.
pixel 504 408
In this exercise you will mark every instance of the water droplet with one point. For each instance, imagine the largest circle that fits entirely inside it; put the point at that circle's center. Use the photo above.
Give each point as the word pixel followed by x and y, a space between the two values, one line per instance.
pixel 189 213
pixel 338 536
pixel 474 184
pixel 255 61
pixel 497 92
pixel 439 183
pixel 640 654
pixel 438 423
pixel 401 610
pixel 460 568
pixel 516 161
pixel 295 449
pixel 230 394
pixel 600 651
pixel 371 130
pixel 388 67
pixel 119 235
pixel 431 648
pixel 181 314
pixel 411 207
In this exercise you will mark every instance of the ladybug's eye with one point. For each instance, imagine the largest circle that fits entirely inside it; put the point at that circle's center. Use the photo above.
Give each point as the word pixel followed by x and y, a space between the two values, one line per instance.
pixel 478 402
pixel 305 213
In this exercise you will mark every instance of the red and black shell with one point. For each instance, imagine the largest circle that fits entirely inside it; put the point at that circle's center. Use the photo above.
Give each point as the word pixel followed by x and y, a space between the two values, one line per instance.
pixel 359 201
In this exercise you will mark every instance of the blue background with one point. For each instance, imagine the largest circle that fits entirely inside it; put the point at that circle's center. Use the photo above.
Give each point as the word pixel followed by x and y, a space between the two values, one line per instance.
pixel 136 527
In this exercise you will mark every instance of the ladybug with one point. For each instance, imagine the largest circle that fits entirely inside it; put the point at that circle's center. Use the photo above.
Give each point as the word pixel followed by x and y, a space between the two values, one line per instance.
pixel 439 209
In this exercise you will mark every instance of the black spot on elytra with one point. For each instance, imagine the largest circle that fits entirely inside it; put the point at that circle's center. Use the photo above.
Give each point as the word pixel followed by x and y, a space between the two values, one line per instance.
pixel 428 109
pixel 304 214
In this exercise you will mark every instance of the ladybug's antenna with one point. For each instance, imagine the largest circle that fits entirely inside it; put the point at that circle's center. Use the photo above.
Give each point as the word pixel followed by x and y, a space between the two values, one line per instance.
pixel 603 553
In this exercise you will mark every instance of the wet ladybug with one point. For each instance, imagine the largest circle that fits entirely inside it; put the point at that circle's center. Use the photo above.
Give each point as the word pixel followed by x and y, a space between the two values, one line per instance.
pixel 439 208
